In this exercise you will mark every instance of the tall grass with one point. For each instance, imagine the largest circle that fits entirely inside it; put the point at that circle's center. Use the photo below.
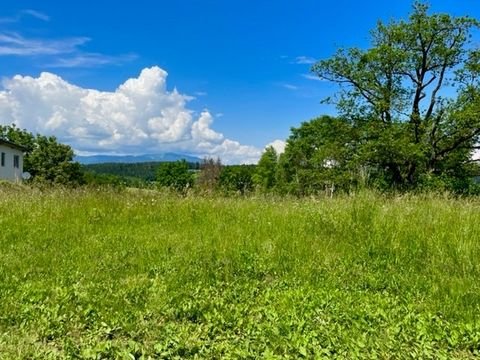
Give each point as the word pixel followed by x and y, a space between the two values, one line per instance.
pixel 142 274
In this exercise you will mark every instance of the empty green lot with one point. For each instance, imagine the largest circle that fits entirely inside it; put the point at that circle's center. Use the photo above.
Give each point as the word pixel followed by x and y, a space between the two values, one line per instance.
pixel 90 274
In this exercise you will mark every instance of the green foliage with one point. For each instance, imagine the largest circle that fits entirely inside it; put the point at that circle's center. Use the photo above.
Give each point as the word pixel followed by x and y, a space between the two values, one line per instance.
pixel 393 97
pixel 47 160
pixel 175 175
pixel 100 179
pixel 52 162
pixel 266 170
pixel 237 179
pixel 18 136
pixel 321 155
pixel 357 277
pixel 144 171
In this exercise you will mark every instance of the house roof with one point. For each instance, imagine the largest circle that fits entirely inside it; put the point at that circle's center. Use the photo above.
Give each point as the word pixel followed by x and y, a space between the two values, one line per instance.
pixel 12 145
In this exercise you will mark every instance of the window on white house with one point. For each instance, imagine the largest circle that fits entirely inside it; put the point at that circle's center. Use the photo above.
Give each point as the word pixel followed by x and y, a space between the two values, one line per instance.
pixel 2 160
pixel 16 161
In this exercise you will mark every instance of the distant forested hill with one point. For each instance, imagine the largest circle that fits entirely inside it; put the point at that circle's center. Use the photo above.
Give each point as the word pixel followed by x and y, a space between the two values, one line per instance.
pixel 145 171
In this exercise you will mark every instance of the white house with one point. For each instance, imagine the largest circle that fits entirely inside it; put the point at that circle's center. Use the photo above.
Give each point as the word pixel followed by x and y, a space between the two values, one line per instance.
pixel 11 161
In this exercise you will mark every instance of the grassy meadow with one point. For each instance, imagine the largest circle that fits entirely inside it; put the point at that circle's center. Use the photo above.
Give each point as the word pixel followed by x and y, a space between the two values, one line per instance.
pixel 88 274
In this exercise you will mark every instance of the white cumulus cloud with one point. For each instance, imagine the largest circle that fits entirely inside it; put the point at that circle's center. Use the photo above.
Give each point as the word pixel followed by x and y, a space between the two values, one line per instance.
pixel 140 116
pixel 278 145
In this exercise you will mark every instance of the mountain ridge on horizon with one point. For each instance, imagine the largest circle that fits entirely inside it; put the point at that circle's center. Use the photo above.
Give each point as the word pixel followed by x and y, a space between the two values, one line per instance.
pixel 102 159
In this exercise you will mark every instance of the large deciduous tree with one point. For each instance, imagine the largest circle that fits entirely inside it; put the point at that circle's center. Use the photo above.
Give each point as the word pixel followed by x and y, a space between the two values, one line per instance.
pixel 413 97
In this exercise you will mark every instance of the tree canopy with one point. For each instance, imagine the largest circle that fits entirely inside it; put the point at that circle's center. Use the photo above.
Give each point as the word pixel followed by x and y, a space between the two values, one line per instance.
pixel 319 154
pixel 409 108
pixel 265 173
pixel 175 175
pixel 237 179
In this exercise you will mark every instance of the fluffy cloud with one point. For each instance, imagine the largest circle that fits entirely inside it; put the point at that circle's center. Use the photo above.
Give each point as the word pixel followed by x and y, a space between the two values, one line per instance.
pixel 140 116
pixel 278 145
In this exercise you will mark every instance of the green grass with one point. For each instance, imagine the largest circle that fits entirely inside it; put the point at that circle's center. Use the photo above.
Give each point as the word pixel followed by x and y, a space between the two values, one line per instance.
pixel 130 275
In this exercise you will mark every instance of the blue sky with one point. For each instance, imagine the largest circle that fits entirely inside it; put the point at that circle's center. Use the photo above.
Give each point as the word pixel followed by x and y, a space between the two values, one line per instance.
pixel 241 69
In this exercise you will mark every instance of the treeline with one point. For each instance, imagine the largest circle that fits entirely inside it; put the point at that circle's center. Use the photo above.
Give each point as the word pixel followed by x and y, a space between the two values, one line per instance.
pixel 144 171
pixel 181 176
pixel 211 177
pixel 330 154
pixel 52 163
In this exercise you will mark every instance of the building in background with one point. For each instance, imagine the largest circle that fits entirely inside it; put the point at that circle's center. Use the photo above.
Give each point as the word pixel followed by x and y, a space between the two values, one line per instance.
pixel 11 161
